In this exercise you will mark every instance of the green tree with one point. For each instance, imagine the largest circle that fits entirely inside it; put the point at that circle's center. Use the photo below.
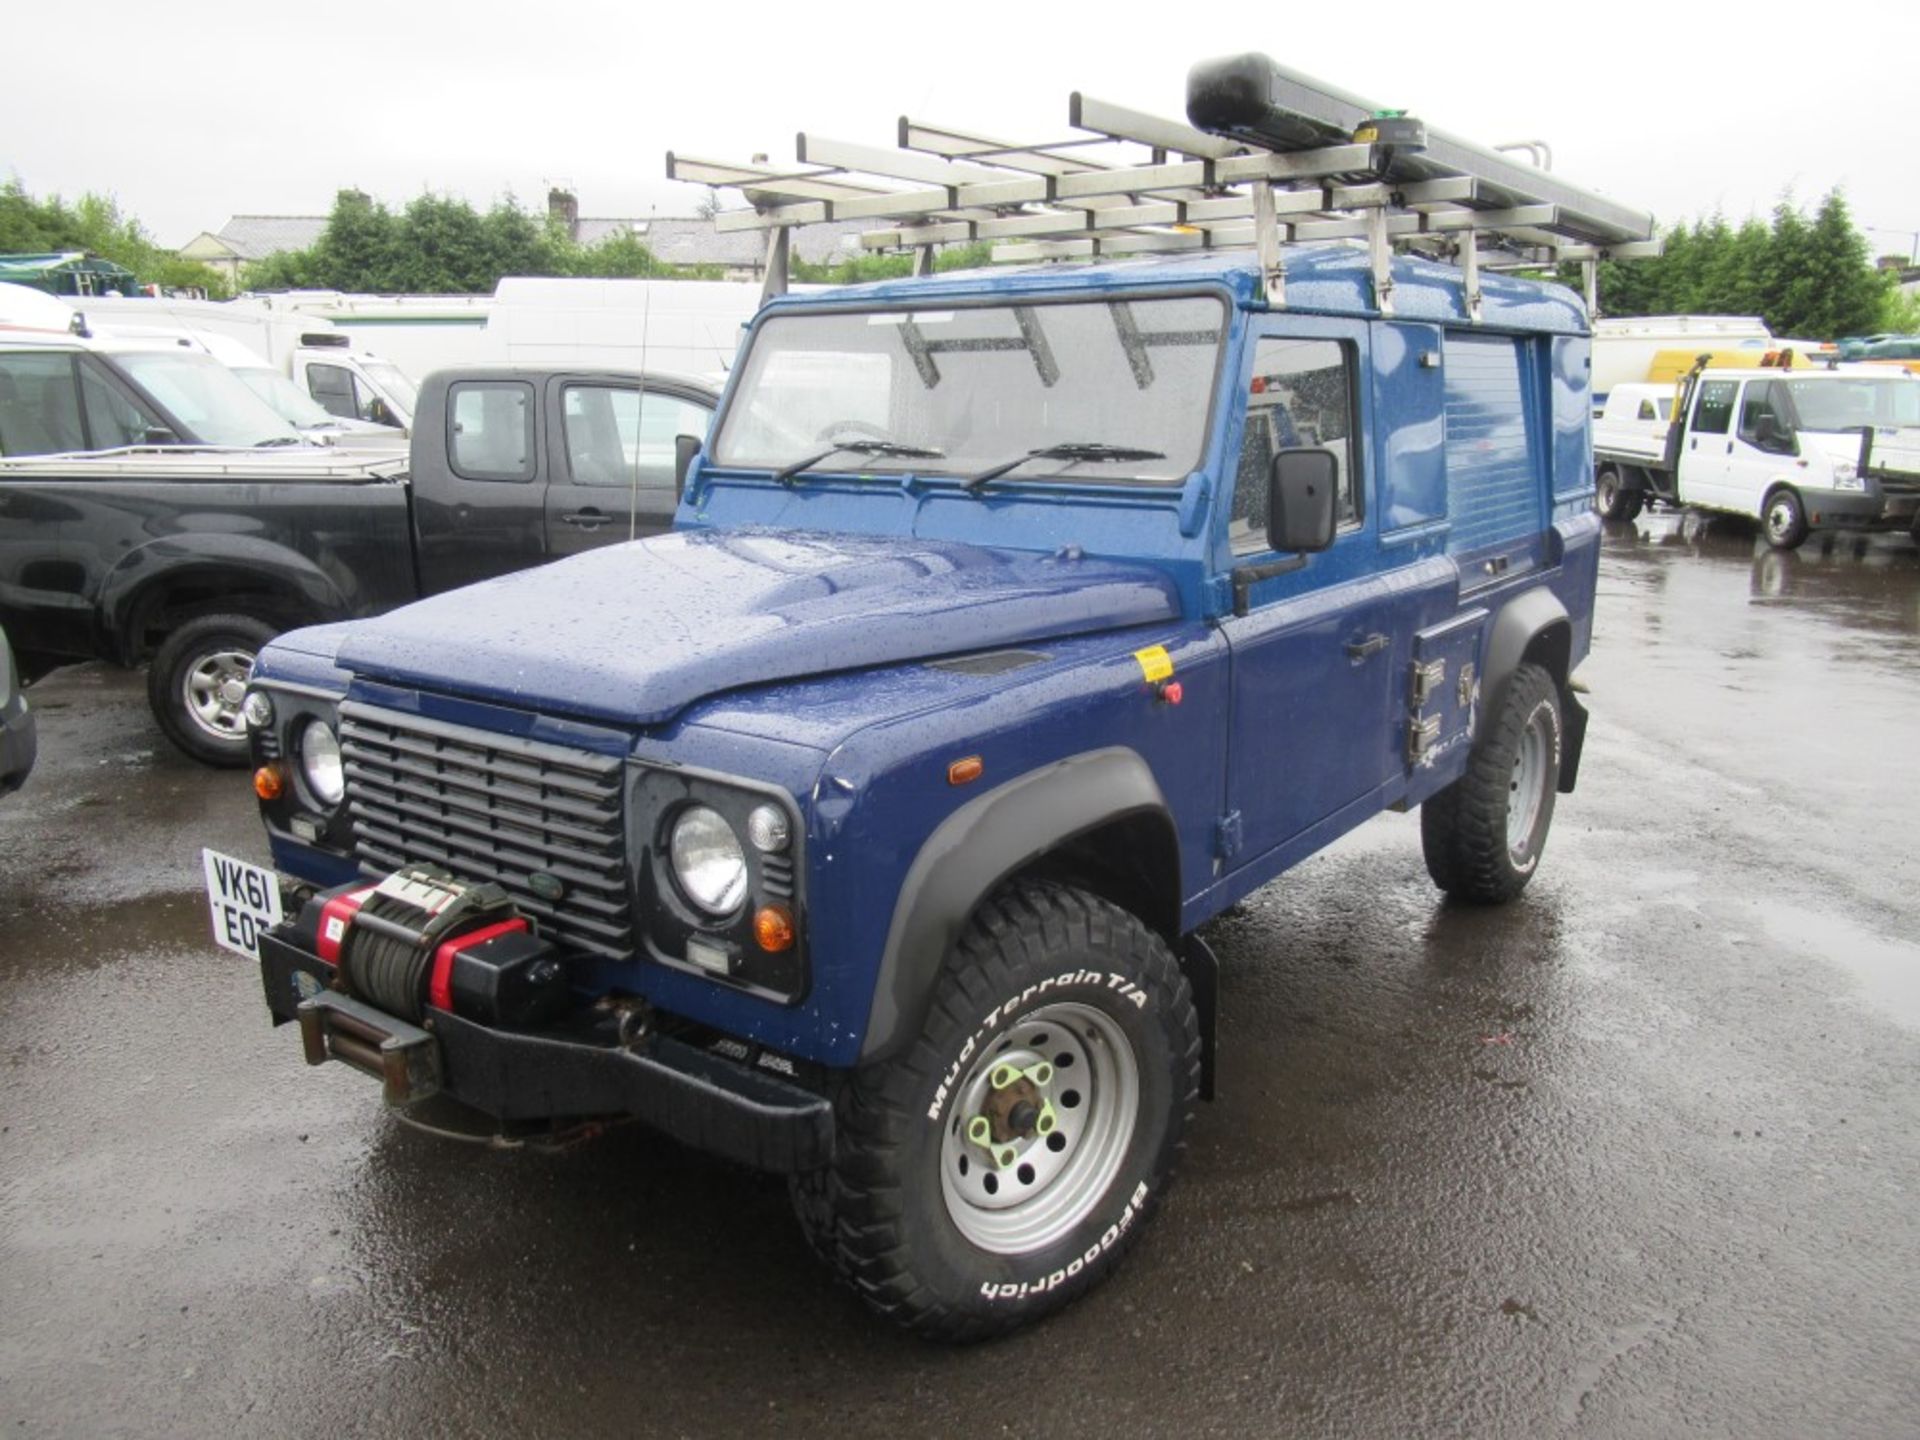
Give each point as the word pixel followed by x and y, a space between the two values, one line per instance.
pixel 621 256
pixel 358 250
pixel 1808 279
pixel 516 244
pixel 877 266
pixel 1837 291
pixel 94 225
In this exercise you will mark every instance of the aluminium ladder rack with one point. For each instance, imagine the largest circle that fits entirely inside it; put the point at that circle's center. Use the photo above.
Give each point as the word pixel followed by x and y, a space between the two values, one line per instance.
pixel 1271 158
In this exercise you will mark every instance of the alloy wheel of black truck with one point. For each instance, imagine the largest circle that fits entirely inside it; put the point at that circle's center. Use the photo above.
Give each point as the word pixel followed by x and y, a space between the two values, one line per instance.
pixel 198 679
pixel 1612 498
pixel 1784 520
pixel 999 1167
pixel 1483 834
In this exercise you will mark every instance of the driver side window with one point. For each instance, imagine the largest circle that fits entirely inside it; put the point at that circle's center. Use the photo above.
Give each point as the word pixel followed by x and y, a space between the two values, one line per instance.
pixel 1301 396
pixel 1762 423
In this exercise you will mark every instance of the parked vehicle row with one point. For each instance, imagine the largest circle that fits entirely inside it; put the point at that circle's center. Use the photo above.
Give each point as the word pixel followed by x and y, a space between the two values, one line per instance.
pixel 192 558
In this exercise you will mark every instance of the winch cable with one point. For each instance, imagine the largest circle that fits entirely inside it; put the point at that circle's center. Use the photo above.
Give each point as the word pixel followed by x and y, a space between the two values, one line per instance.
pixel 380 967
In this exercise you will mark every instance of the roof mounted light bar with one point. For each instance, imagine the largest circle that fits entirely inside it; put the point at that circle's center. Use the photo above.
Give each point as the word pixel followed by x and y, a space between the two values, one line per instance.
pixel 1271 157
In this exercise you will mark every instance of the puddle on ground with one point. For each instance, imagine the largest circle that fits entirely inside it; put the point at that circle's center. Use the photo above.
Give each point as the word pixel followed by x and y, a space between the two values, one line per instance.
pixel 1887 971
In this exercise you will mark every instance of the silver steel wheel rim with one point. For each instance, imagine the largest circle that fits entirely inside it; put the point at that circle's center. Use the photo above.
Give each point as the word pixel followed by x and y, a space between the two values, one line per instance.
pixel 1028 1185
pixel 214 689
pixel 1779 519
pixel 1609 486
pixel 1524 785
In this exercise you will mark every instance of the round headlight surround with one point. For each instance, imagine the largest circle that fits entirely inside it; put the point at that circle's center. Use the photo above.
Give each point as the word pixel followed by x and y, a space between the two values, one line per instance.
pixel 323 770
pixel 708 861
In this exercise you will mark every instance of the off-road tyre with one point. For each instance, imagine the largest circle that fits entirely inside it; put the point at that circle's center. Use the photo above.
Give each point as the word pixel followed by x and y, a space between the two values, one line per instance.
pixel 202 650
pixel 1475 849
pixel 1612 498
pixel 1035 960
pixel 1783 519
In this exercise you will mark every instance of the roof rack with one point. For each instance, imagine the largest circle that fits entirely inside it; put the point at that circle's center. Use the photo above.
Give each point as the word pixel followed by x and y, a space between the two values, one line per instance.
pixel 1271 157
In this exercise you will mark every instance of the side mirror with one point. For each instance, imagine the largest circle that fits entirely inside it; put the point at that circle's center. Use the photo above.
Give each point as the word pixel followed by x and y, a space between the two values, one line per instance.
pixel 1300 500
pixel 379 413
pixel 159 435
pixel 685 447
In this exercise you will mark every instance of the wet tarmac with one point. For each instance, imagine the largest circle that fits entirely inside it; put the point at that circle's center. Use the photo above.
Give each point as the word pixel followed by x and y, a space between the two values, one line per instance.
pixel 1636 1156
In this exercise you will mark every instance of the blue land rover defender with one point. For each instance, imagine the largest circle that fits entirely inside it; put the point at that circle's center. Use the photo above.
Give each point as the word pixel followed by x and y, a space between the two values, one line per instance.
pixel 1015 623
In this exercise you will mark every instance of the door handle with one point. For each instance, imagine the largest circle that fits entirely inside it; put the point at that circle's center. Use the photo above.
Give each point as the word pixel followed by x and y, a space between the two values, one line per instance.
pixel 587 519
pixel 1358 650
pixel 1729 447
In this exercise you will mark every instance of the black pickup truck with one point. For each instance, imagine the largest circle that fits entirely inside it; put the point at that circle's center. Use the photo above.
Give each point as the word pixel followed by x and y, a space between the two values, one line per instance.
pixel 192 559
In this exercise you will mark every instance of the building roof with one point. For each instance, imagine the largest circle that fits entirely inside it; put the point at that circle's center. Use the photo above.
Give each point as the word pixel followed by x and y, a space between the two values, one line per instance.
pixel 255 237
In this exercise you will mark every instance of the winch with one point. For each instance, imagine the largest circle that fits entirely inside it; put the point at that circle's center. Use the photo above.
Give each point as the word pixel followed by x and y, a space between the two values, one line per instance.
pixel 401 948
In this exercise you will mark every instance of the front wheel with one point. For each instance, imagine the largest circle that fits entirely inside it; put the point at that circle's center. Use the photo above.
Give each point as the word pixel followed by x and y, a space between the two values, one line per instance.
pixel 198 679
pixel 1000 1167
pixel 1482 836
pixel 1785 520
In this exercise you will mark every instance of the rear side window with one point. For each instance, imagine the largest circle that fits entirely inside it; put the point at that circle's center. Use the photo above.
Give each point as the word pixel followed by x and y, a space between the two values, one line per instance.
pixel 1301 397
pixel 620 437
pixel 39 405
pixel 1713 411
pixel 1493 483
pixel 490 430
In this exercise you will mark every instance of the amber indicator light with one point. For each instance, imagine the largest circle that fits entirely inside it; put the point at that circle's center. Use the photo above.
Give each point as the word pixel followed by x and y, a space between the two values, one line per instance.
pixel 268 782
pixel 965 772
pixel 773 928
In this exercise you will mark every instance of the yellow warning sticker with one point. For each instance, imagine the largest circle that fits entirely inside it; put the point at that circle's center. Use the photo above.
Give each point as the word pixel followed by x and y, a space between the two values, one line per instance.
pixel 1155 663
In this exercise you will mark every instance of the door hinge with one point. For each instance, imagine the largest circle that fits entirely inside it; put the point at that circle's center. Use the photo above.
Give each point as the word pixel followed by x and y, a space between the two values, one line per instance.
pixel 1227 835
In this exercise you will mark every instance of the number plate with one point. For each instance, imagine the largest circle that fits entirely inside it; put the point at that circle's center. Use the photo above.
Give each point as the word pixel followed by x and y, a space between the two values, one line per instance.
pixel 245 900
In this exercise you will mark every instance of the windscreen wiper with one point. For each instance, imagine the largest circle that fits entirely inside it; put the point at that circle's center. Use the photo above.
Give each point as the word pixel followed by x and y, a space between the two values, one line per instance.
pixel 1085 450
pixel 277 441
pixel 859 447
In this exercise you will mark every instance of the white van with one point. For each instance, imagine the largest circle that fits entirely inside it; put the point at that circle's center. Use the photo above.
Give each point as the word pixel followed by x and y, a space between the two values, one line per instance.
pixel 1797 450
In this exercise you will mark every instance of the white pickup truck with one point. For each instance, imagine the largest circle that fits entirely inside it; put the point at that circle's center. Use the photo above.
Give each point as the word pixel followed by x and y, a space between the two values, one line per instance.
pixel 1798 451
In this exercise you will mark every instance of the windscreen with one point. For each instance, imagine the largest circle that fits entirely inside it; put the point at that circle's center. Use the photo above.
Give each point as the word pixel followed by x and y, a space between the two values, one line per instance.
pixel 207 398
pixel 286 398
pixel 982 385
pixel 394 382
pixel 1849 404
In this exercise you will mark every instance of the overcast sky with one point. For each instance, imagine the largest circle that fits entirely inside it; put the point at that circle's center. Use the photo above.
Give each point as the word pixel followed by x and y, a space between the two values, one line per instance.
pixel 261 108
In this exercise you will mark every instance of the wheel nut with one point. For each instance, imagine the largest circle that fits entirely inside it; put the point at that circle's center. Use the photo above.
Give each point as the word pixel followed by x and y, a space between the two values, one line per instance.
pixel 1003 1076
pixel 980 1131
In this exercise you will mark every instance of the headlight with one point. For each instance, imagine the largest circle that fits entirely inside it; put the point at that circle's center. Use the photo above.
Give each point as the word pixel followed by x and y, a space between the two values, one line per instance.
pixel 708 861
pixel 1846 476
pixel 320 763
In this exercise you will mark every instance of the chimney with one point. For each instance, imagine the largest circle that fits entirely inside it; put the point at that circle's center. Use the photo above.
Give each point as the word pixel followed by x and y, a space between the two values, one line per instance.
pixel 565 208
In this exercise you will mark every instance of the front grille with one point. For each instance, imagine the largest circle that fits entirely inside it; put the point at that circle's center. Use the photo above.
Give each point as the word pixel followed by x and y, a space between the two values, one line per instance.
pixel 494 807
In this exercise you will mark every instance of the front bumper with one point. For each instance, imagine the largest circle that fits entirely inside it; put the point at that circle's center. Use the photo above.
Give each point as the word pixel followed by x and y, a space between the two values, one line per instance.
pixel 696 1097
pixel 1874 508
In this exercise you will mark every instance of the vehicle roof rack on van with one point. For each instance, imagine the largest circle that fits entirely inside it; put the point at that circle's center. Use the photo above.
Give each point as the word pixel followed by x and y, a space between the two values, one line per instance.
pixel 1271 157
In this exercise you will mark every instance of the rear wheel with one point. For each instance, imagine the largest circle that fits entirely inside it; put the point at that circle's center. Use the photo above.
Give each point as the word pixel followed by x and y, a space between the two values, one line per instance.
pixel 1000 1167
pixel 1785 520
pixel 1612 497
pixel 198 679
pixel 1483 835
